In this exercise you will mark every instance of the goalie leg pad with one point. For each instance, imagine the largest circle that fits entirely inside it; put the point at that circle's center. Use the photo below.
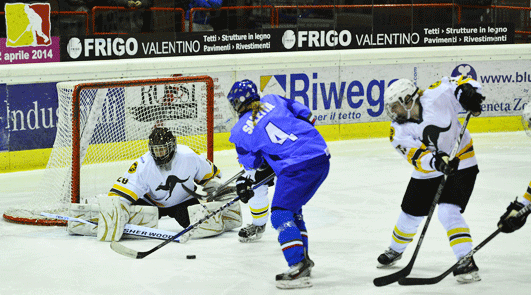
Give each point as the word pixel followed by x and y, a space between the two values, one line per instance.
pixel 147 216
pixel 114 215
pixel 231 216
pixel 88 212
pixel 210 227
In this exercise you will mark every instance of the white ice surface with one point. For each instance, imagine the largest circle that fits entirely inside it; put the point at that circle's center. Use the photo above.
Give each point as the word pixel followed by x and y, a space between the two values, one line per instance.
pixel 349 221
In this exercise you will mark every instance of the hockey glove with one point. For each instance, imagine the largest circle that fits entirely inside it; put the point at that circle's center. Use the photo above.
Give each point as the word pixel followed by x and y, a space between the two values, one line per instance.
pixel 507 222
pixel 470 99
pixel 243 189
pixel 441 163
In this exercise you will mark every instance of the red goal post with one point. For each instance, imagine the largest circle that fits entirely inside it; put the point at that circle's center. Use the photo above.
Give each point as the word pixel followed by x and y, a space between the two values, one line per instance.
pixel 110 121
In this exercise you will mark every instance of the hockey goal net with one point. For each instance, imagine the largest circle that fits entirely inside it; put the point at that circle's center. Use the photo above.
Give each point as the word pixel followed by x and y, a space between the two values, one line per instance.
pixel 103 125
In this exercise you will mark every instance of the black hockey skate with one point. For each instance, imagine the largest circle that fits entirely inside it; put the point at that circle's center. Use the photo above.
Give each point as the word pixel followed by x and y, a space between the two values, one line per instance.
pixel 467 272
pixel 251 233
pixel 388 258
pixel 298 276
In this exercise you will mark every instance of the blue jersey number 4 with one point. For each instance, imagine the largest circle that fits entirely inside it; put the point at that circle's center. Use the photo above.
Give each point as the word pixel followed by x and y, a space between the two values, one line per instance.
pixel 276 135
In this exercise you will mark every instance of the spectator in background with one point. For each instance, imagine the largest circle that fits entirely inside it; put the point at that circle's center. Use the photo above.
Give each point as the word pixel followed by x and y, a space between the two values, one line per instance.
pixel 201 19
pixel 130 21
pixel 72 25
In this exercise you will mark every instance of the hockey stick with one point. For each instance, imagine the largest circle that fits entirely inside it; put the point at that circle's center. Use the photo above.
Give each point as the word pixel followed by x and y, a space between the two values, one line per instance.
pixel 121 249
pixel 219 190
pixel 22 34
pixel 130 229
pixel 435 280
pixel 388 279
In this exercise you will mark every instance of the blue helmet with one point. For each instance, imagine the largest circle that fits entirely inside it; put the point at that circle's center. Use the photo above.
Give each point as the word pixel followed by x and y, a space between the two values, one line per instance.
pixel 243 93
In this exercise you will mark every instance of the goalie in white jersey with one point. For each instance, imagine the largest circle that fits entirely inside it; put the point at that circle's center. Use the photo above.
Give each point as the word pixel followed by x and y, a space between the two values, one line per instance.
pixel 155 180
pixel 507 222
pixel 424 131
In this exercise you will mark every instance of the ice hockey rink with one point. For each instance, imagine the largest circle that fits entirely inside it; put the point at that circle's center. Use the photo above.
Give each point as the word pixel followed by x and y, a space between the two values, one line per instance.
pixel 349 221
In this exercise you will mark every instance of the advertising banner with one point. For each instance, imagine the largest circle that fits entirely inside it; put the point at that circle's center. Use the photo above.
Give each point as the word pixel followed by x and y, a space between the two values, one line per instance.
pixel 28 39
pixel 335 94
pixel 354 94
pixel 278 40
pixel 31 109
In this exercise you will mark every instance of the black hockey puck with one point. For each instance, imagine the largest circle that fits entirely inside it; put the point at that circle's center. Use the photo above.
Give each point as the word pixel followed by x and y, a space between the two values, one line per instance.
pixel 190 256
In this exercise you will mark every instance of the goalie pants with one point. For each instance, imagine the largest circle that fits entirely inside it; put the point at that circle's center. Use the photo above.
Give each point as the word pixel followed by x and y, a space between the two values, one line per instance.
pixel 295 187
pixel 178 212
pixel 457 190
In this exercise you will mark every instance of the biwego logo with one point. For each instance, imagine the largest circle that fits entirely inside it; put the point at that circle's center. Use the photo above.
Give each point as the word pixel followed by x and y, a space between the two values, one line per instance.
pixel 101 47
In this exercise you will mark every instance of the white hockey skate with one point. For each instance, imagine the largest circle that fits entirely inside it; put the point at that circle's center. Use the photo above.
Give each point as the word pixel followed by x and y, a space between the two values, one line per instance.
pixel 298 276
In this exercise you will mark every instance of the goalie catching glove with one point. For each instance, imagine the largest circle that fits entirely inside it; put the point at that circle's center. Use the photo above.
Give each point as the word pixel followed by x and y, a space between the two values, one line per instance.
pixel 507 222
pixel 441 163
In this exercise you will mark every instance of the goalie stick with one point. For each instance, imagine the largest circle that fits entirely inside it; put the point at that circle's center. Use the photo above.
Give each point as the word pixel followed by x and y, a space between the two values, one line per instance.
pixel 389 279
pixel 130 229
pixel 219 191
pixel 435 280
pixel 123 250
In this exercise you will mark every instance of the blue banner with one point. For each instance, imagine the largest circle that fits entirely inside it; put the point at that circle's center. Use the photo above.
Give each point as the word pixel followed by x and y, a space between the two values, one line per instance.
pixel 31 110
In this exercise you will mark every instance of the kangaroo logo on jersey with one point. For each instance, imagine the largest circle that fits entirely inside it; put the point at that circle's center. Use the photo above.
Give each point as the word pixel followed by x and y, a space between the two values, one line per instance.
pixel 28 24
pixel 171 181
pixel 430 135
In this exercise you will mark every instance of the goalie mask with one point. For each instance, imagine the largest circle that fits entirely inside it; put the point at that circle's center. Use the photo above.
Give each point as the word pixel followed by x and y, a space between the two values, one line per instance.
pixel 242 93
pixel 162 145
pixel 526 119
pixel 397 97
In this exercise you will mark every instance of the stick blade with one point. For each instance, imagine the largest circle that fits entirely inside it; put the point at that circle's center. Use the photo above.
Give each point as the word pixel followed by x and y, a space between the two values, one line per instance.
pixel 121 249
pixel 418 281
pixel 394 277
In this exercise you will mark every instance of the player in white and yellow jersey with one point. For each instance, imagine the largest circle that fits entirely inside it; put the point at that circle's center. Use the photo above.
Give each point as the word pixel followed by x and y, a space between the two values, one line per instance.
pixel 156 179
pixel 424 131
pixel 507 222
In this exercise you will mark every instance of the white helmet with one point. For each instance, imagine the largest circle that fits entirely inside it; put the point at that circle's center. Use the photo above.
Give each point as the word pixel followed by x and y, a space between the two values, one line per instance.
pixel 402 91
pixel 526 118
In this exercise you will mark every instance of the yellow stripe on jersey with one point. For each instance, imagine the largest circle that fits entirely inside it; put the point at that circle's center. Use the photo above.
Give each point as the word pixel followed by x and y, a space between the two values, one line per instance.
pixel 415 155
pixel 121 191
pixel 527 194
pixel 466 152
pixel 463 81
pixel 209 176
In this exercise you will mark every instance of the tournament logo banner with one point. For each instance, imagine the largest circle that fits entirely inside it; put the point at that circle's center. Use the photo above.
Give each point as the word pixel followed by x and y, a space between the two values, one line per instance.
pixel 29 39
pixel 28 24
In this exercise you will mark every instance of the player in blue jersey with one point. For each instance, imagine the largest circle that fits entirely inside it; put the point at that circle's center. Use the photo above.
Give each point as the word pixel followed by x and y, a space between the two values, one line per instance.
pixel 281 132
